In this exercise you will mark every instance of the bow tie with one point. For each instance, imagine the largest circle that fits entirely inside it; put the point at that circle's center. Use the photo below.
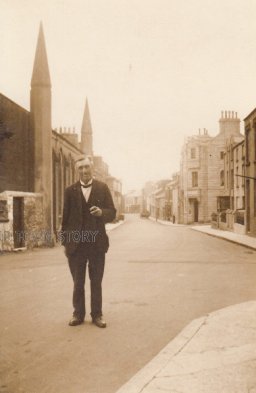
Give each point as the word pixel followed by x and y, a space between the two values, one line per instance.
pixel 89 185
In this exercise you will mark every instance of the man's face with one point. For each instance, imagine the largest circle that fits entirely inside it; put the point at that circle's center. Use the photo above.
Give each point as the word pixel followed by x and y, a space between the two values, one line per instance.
pixel 85 171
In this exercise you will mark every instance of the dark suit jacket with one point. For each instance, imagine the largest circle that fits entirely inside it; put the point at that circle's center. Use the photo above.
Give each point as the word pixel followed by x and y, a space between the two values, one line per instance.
pixel 72 220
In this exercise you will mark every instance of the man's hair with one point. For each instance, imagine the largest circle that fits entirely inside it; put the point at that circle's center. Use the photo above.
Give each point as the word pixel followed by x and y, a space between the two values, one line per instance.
pixel 80 159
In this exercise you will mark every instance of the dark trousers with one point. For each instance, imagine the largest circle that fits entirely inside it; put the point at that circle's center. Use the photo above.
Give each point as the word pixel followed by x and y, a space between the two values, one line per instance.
pixel 77 264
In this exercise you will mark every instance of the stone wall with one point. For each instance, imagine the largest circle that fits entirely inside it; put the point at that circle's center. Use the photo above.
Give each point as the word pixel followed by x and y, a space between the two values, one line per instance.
pixel 33 221
pixel 16 165
pixel 32 234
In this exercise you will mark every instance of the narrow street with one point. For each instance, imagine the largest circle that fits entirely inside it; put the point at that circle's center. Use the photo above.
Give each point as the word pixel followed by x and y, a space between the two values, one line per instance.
pixel 157 279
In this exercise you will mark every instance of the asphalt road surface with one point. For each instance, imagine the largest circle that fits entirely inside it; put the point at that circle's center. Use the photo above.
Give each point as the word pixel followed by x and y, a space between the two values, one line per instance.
pixel 157 279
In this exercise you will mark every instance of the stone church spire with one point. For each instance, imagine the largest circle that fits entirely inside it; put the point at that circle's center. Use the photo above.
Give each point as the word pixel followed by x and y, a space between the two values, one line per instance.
pixel 86 132
pixel 41 74
pixel 41 130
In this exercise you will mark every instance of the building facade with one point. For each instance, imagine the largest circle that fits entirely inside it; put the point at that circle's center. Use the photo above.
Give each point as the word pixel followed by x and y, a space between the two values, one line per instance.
pixel 193 196
pixel 160 200
pixel 146 192
pixel 250 173
pixel 115 185
pixel 202 187
pixel 133 201
pixel 231 215
pixel 172 198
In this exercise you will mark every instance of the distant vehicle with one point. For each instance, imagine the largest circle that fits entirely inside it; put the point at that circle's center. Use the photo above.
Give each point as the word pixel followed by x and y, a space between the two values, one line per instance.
pixel 144 214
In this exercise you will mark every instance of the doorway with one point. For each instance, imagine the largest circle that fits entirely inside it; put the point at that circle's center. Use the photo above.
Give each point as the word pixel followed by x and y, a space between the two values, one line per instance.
pixel 18 222
pixel 195 210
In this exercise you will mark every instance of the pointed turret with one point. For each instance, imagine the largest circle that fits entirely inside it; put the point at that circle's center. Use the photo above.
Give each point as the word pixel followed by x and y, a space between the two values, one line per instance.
pixel 86 132
pixel 41 129
pixel 41 74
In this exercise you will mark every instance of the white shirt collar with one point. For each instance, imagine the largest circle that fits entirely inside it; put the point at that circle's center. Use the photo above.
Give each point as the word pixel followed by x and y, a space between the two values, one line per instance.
pixel 87 184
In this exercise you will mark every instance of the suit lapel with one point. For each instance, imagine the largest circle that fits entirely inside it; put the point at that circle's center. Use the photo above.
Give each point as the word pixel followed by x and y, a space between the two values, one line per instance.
pixel 92 194
pixel 78 196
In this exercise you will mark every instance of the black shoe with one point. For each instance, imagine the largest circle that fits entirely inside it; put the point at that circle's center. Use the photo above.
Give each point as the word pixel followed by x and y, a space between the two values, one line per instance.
pixel 98 321
pixel 74 321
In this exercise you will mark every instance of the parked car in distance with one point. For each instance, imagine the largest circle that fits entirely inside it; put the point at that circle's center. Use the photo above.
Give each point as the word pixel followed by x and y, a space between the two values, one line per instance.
pixel 144 214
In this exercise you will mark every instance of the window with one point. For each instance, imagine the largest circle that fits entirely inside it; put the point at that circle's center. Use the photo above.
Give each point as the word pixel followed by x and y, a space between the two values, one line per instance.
pixel 237 178
pixel 221 155
pixel 243 173
pixel 222 181
pixel 232 179
pixel 237 203
pixel 223 203
pixel 194 179
pixel 192 152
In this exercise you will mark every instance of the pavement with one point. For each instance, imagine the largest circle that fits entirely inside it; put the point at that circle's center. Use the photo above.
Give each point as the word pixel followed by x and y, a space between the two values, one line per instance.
pixel 243 240
pixel 112 225
pixel 213 354
pixel 165 222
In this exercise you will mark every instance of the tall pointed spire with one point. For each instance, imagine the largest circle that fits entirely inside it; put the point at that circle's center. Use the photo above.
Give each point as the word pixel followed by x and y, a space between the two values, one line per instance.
pixel 41 74
pixel 41 130
pixel 86 132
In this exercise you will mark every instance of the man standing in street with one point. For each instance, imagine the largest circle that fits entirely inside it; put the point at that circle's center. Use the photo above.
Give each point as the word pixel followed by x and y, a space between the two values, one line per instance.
pixel 88 205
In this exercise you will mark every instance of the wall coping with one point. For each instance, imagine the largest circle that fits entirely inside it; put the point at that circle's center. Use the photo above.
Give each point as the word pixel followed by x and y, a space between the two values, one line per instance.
pixel 19 194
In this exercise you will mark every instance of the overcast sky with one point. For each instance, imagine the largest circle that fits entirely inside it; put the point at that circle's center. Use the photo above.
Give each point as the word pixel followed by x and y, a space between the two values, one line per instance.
pixel 154 71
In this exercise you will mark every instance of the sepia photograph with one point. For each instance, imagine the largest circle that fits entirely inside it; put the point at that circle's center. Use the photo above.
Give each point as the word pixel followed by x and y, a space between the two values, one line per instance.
pixel 127 196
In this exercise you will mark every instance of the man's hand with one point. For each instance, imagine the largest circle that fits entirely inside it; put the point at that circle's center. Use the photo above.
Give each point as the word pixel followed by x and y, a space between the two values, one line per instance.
pixel 96 211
